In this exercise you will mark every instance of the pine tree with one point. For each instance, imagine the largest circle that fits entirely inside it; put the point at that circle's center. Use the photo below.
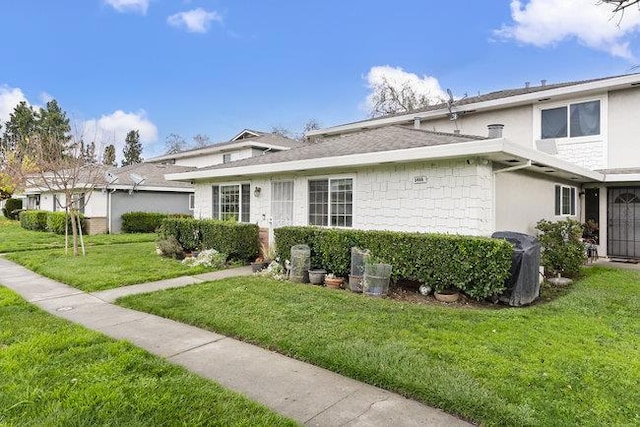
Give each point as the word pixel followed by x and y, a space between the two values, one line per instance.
pixel 109 156
pixel 132 149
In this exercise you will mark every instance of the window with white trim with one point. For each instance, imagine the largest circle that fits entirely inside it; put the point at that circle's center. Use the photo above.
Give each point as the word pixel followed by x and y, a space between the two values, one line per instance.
pixel 226 158
pixel 192 201
pixel 331 202
pixel 571 120
pixel 231 201
pixel 565 200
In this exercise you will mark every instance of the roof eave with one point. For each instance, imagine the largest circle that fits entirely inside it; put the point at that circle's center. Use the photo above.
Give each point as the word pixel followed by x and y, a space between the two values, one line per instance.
pixel 483 148
pixel 614 83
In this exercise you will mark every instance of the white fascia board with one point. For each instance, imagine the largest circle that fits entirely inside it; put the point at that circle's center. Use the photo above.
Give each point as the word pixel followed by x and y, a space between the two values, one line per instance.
pixel 437 152
pixel 622 177
pixel 551 161
pixel 210 150
pixel 511 101
pixel 151 188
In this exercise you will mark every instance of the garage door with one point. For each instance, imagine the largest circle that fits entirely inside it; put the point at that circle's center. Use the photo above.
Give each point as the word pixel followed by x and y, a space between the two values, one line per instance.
pixel 624 222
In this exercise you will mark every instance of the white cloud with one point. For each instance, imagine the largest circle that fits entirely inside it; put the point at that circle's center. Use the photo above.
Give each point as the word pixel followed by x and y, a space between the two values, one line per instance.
pixel 546 22
pixel 9 98
pixel 395 76
pixel 195 20
pixel 140 6
pixel 113 128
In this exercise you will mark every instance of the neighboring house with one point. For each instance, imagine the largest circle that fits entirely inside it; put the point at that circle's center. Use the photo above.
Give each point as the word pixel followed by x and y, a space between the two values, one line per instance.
pixel 138 187
pixel 248 143
pixel 567 150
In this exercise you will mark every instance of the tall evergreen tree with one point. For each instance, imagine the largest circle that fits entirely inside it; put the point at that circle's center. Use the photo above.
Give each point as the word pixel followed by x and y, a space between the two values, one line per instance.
pixel 109 156
pixel 88 152
pixel 52 123
pixel 132 148
pixel 18 129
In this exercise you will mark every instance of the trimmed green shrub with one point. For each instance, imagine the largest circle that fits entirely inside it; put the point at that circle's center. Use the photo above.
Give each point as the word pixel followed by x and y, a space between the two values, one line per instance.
pixel 145 222
pixel 238 240
pixel 56 223
pixel 169 247
pixel 34 220
pixel 11 205
pixel 562 248
pixel 477 266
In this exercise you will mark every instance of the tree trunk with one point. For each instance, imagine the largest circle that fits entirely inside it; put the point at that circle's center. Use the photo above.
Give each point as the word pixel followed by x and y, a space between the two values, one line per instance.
pixel 74 230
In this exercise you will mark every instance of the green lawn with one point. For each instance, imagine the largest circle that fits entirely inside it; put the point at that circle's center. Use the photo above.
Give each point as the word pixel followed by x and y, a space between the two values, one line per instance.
pixel 105 266
pixel 572 361
pixel 14 238
pixel 55 373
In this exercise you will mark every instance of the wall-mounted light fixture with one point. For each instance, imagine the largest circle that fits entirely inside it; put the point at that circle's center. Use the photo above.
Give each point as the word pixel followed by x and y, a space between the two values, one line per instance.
pixel 257 191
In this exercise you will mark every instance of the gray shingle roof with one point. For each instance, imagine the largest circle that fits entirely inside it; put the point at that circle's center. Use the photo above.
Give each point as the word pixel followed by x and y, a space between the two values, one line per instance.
pixel 153 174
pixel 500 94
pixel 387 138
pixel 267 138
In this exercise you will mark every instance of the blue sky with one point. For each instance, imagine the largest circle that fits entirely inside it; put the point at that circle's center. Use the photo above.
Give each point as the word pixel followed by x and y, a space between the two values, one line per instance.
pixel 215 67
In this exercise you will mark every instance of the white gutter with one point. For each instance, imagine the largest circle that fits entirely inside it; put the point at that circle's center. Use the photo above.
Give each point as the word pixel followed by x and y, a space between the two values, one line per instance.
pixel 511 101
pixel 622 177
pixel 465 149
pixel 211 150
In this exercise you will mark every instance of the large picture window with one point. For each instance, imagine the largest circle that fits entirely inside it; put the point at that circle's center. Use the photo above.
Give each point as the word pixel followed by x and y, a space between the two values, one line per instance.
pixel 231 201
pixel 572 120
pixel 565 200
pixel 331 202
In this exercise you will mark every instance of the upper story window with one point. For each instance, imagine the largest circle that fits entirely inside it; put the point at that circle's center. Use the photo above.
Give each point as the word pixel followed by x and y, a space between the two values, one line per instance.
pixel 331 202
pixel 226 158
pixel 571 121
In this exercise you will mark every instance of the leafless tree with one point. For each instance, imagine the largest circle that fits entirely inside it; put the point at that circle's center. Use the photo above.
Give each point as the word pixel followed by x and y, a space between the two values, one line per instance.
pixel 621 5
pixel 390 98
pixel 201 141
pixel 60 168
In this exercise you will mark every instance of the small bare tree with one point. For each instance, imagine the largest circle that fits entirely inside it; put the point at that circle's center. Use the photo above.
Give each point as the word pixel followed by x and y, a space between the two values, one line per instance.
pixel 58 166
pixel 621 5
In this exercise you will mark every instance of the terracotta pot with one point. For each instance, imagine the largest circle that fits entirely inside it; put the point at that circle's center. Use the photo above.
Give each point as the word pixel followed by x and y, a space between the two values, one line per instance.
pixel 447 296
pixel 334 283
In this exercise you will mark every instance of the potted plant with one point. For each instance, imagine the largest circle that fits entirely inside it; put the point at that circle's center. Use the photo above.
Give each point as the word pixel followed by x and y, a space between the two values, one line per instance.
pixel 446 294
pixel 332 281
pixel 316 276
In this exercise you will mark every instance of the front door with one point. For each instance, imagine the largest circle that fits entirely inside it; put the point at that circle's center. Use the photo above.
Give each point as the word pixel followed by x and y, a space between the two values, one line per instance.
pixel 623 237
pixel 281 205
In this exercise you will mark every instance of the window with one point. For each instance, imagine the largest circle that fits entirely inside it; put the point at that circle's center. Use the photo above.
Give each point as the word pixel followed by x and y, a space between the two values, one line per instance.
pixel 331 202
pixel 226 158
pixel 573 120
pixel 78 202
pixel 565 200
pixel 231 201
pixel 192 201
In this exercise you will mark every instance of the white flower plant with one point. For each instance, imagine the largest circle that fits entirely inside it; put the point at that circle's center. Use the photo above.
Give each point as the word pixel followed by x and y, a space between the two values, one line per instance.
pixel 209 258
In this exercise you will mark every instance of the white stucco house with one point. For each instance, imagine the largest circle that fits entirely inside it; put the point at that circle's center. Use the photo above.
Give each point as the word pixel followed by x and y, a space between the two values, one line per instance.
pixel 142 187
pixel 559 150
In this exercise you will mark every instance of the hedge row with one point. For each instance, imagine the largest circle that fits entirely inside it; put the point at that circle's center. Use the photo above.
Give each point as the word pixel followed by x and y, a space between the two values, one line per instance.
pixel 475 265
pixel 10 206
pixel 145 222
pixel 48 221
pixel 34 220
pixel 237 240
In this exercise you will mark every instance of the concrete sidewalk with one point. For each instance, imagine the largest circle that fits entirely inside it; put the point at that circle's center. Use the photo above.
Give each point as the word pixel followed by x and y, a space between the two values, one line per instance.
pixel 303 392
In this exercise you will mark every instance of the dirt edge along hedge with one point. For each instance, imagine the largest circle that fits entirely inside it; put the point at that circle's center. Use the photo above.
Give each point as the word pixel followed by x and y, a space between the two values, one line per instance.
pixel 145 222
pixel 477 266
pixel 238 240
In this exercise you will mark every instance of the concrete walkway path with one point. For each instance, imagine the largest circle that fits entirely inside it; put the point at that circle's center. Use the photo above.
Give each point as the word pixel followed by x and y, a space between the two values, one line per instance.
pixel 308 394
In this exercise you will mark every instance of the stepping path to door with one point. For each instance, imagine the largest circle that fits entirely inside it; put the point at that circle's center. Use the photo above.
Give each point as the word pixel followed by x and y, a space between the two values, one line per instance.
pixel 306 393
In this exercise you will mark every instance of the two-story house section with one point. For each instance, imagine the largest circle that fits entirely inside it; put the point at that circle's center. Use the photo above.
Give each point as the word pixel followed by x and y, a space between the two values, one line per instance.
pixel 247 143
pixel 500 161
pixel 594 124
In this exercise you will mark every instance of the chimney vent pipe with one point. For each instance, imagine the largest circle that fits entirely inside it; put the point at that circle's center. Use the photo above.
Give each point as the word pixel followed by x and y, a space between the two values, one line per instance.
pixel 543 83
pixel 495 130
